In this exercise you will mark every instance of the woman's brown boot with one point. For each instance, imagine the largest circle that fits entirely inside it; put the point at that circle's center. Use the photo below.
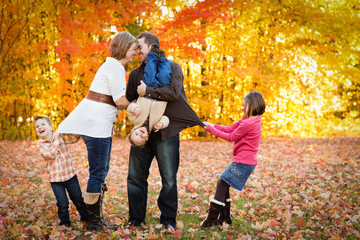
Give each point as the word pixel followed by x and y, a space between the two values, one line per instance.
pixel 92 201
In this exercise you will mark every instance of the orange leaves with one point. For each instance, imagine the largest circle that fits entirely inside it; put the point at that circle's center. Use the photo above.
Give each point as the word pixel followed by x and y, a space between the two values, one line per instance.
pixel 189 187
pixel 273 223
pixel 316 200
pixel 177 234
pixel 301 223
pixel 187 31
pixel 43 45
pixel 288 52
pixel 49 215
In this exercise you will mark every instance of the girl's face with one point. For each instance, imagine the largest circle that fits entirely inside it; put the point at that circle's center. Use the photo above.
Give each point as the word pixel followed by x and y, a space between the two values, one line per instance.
pixel 244 107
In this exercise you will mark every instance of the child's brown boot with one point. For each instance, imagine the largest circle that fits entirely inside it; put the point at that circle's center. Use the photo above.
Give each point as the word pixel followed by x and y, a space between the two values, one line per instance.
pixel 225 215
pixel 213 217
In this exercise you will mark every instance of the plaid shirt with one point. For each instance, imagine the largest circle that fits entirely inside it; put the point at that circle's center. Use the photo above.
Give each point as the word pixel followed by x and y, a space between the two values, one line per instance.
pixel 59 164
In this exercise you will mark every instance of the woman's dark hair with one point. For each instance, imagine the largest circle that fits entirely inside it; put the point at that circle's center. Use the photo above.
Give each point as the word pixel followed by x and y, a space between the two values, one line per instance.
pixel 150 38
pixel 256 103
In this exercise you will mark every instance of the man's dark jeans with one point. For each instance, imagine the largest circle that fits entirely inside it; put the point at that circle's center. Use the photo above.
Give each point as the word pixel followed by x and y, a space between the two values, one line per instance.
pixel 99 150
pixel 73 188
pixel 167 155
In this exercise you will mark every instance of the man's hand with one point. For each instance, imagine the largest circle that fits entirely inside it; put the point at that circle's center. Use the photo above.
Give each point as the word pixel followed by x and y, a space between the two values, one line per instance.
pixel 158 126
pixel 141 89
pixel 137 111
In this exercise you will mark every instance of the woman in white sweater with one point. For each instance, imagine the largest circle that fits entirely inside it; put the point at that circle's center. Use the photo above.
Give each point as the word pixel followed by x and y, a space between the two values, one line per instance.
pixel 94 119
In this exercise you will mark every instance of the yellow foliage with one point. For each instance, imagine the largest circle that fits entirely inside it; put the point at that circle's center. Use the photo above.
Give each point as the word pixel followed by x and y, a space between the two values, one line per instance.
pixel 296 53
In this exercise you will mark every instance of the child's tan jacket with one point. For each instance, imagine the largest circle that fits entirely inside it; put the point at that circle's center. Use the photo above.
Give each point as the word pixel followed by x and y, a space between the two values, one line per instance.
pixel 152 108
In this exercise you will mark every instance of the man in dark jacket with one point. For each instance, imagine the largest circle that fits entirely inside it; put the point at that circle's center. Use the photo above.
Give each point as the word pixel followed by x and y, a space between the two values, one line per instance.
pixel 164 144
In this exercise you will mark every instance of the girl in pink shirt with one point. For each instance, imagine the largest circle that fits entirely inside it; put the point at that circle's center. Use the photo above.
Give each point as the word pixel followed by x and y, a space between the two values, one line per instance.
pixel 245 134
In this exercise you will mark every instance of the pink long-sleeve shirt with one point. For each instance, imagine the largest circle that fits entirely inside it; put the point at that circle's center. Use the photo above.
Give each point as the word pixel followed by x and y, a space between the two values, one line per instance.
pixel 246 135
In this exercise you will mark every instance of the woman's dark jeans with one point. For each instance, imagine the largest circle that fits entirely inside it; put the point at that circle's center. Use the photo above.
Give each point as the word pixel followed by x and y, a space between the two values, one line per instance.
pixel 167 155
pixel 99 150
pixel 73 188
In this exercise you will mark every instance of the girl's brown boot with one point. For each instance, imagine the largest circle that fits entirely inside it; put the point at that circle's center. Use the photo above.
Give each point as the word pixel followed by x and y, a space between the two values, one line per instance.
pixel 213 217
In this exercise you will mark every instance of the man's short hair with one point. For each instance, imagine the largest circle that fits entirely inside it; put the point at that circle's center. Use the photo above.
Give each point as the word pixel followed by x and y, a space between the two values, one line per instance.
pixel 150 38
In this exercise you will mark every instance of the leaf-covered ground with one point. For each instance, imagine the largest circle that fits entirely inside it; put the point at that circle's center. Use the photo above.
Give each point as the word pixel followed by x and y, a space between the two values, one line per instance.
pixel 301 189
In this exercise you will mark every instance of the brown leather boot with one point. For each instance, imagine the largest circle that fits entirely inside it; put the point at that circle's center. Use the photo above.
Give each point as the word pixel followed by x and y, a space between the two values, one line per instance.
pixel 225 214
pixel 92 201
pixel 104 222
pixel 213 217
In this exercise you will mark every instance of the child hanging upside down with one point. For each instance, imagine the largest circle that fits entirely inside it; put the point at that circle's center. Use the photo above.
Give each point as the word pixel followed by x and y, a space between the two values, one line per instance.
pixel 146 113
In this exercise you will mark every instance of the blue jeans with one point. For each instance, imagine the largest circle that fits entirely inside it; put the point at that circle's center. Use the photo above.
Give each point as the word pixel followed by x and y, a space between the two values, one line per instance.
pixel 157 72
pixel 167 155
pixel 99 150
pixel 73 188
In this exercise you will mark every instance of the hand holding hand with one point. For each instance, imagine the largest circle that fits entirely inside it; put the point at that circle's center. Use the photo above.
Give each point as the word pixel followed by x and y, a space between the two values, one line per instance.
pixel 137 111
pixel 158 126
pixel 207 123
pixel 57 136
pixel 141 89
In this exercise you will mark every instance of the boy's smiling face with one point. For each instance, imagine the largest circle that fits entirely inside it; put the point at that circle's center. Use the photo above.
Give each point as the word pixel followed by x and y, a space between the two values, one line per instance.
pixel 43 129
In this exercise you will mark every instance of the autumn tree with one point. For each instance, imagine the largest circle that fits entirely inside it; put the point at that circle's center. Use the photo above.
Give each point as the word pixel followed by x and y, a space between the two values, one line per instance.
pixel 49 53
pixel 301 55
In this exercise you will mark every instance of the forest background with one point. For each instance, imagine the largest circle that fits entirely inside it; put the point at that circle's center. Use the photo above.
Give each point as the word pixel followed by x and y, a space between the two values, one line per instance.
pixel 302 55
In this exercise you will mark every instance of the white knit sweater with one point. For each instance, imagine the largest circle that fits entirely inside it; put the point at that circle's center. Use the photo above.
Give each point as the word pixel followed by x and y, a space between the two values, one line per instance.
pixel 96 119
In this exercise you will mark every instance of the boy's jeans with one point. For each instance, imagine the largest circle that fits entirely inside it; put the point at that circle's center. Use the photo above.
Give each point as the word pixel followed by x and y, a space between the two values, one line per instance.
pixel 99 150
pixel 73 188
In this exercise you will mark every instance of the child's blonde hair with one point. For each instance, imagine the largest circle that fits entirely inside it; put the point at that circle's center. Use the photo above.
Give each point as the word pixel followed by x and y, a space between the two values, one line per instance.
pixel 132 141
pixel 42 117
